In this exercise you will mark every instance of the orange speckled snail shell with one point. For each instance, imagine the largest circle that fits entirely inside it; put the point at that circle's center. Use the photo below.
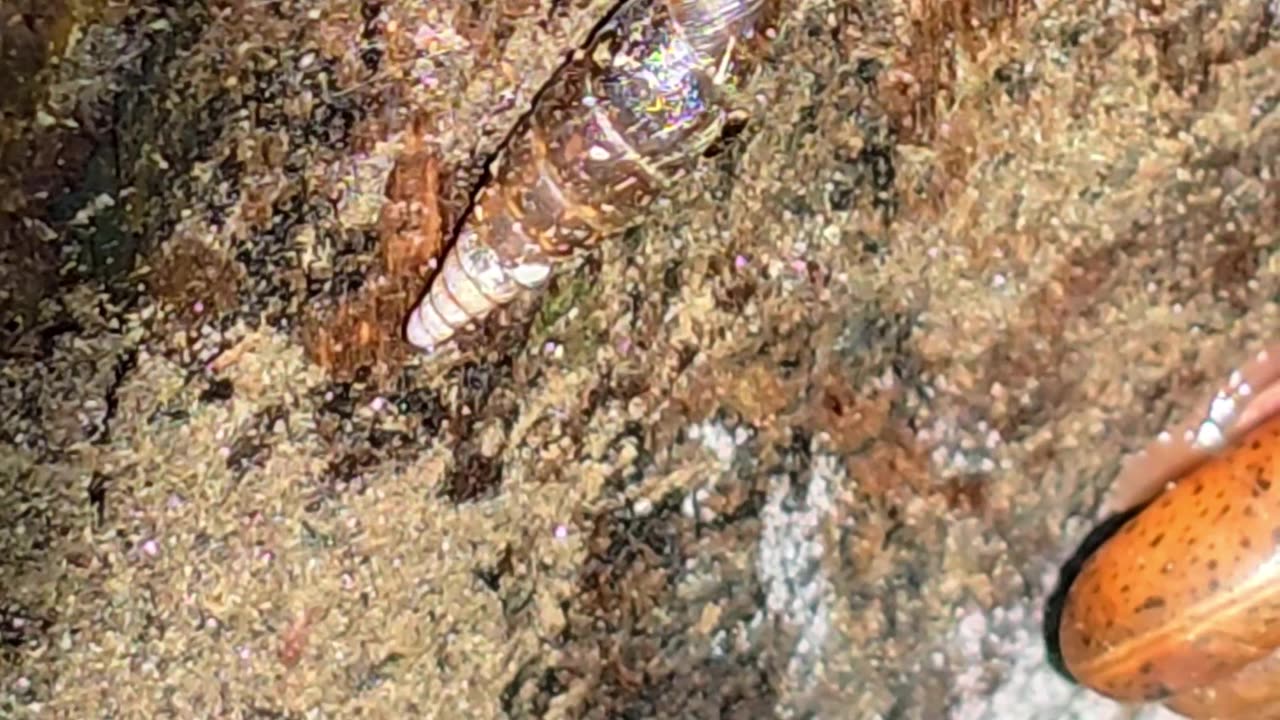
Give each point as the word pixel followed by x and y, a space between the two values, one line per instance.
pixel 1182 604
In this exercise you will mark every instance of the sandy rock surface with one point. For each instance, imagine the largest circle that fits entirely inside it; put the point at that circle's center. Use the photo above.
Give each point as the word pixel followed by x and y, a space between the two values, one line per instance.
pixel 812 442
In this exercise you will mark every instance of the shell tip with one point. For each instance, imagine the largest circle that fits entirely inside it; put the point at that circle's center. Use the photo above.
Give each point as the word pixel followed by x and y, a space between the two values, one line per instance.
pixel 415 331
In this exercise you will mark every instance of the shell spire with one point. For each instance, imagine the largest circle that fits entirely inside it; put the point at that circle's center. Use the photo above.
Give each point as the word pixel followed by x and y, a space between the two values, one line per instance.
pixel 617 125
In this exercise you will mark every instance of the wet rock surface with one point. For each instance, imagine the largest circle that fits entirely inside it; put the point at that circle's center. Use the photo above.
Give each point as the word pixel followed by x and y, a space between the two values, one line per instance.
pixel 812 442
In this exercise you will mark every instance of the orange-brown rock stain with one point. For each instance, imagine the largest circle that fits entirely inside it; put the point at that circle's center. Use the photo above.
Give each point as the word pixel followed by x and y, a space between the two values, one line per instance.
pixel 365 329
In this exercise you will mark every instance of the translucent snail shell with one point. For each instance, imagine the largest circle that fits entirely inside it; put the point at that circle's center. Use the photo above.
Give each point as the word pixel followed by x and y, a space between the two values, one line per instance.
pixel 629 115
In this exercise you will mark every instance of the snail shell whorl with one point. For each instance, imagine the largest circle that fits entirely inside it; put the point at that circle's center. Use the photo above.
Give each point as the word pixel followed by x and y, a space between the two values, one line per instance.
pixel 472 282
pixel 617 125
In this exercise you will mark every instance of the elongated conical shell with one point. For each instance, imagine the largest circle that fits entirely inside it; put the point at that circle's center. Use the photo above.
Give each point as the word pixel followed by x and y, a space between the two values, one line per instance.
pixel 630 114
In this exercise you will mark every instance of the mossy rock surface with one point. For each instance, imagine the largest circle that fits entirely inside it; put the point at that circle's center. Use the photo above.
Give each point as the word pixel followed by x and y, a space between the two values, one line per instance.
pixel 813 441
